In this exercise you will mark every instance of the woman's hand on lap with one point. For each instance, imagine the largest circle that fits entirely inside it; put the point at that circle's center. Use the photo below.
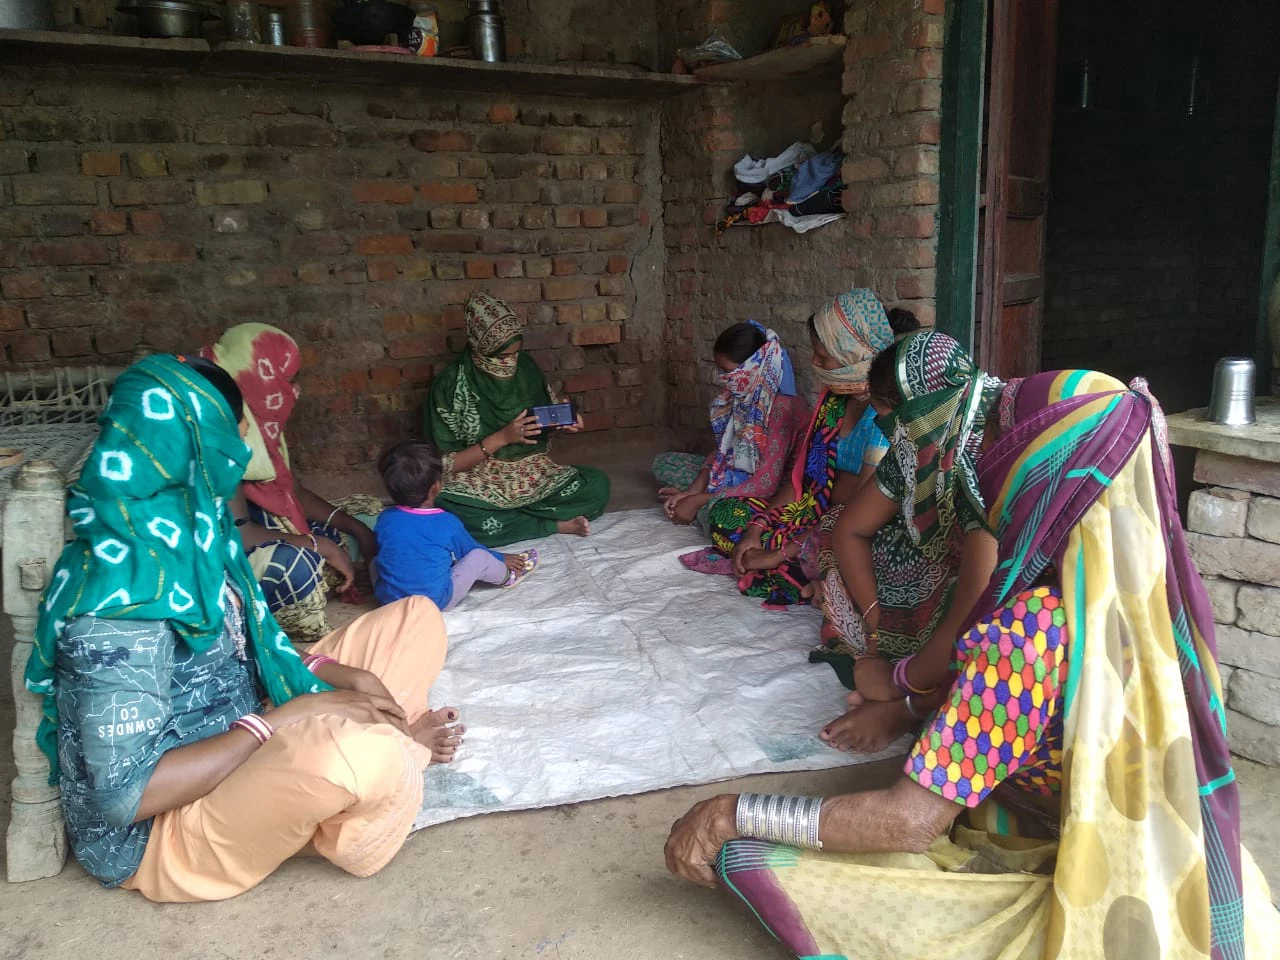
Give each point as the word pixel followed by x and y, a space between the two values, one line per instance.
pixel 349 704
pixel 750 540
pixel 337 557
pixel 342 677
pixel 696 839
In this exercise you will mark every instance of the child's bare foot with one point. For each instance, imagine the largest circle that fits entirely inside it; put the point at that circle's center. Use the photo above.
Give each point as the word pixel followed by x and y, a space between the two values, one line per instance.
pixel 437 732
pixel 578 527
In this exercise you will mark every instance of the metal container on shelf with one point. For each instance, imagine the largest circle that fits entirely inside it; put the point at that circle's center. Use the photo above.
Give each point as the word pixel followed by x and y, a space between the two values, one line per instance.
pixel 27 15
pixel 1231 402
pixel 168 18
pixel 242 21
pixel 273 28
pixel 487 30
pixel 309 24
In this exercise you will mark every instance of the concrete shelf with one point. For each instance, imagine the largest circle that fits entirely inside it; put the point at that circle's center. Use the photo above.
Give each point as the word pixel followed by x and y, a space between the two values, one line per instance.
pixel 783 63
pixel 249 60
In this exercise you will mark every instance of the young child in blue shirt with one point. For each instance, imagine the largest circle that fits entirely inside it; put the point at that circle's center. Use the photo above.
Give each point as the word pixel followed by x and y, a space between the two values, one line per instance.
pixel 425 551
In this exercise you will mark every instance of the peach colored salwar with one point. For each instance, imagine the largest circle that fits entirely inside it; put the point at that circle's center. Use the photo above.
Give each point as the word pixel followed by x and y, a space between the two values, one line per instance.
pixel 350 789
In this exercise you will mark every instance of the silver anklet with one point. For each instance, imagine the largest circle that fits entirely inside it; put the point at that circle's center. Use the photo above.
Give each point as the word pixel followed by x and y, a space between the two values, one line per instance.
pixel 788 820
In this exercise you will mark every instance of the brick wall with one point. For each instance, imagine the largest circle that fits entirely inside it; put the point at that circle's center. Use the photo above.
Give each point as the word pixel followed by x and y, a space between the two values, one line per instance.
pixel 882 110
pixel 148 212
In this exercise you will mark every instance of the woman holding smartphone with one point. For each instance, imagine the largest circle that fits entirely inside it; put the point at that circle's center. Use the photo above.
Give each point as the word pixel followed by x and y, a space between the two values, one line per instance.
pixel 498 478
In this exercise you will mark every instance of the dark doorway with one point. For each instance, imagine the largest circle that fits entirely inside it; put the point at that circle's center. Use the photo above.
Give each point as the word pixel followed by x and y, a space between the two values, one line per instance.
pixel 1161 152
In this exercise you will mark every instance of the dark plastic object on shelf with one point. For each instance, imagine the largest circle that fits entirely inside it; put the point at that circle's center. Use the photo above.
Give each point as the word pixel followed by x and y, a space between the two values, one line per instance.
pixel 369 24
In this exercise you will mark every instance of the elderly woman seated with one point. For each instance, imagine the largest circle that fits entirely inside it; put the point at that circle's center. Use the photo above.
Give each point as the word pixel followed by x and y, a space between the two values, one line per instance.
pixel 194 748
pixel 1069 792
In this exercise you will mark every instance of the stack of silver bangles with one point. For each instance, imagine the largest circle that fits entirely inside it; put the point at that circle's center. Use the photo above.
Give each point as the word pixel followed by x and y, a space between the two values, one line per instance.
pixel 788 820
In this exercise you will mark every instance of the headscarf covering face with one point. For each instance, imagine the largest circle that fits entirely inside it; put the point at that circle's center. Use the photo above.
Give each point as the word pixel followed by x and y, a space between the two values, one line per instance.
pixel 853 328
pixel 492 326
pixel 478 393
pixel 264 360
pixel 740 414
pixel 154 538
pixel 935 434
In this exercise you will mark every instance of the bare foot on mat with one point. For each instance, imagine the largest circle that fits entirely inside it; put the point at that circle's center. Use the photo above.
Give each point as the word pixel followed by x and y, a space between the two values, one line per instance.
pixel 437 731
pixel 578 527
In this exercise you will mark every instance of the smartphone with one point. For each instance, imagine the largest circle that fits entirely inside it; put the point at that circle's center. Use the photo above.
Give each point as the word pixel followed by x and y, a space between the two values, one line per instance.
pixel 556 415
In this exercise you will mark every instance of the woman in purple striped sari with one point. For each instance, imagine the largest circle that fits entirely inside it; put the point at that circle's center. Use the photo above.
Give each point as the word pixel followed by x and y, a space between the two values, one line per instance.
pixel 1070 793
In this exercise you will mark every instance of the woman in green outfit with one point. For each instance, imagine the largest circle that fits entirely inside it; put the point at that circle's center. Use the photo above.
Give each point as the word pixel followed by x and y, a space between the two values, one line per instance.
pixel 499 480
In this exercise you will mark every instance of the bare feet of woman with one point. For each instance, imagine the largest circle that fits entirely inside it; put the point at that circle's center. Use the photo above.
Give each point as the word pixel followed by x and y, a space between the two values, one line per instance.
pixel 577 527
pixel 869 726
pixel 437 731
pixel 762 559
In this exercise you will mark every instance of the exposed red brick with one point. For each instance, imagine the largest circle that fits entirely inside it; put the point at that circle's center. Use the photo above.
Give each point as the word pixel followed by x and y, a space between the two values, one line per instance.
pixel 568 313
pixel 440 141
pixel 591 422
pixel 22 286
pixel 926 34
pixel 71 343
pixel 479 269
pixel 146 222
pixel 382 191
pixel 618 264
pixel 588 380
pixel 564 266
pixel 906 225
pixel 11 318
pixel 916 286
pixel 508 268
pixel 69 253
pixel 109 223
pixel 29 348
pixel 568 289
pixel 380 270
pixel 384 377
pixel 450 193
pixel 623 193
pixel 568 217
pixel 94 164
pixel 502 113
pixel 595 217
pixel 157 251
pixel 384 245
pixel 596 334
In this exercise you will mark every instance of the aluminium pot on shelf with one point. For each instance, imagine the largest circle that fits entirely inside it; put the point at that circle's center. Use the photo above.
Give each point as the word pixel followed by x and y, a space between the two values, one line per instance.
pixel 27 15
pixel 169 18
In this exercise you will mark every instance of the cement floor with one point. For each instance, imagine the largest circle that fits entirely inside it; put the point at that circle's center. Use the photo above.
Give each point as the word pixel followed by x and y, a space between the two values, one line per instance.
pixel 586 882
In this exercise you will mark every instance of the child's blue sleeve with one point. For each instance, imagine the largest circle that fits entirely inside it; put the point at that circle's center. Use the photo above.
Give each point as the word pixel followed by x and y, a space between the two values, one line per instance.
pixel 464 543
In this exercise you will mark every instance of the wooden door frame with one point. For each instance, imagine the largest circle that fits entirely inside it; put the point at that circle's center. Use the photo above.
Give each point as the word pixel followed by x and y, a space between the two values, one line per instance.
pixel 964 64
pixel 1265 349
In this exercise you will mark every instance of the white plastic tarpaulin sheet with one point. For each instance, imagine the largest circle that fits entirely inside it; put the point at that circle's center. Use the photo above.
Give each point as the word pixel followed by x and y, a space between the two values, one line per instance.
pixel 614 670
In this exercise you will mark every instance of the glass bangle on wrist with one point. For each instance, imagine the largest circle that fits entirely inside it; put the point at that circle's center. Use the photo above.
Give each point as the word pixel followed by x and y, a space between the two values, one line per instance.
pixel 256 725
